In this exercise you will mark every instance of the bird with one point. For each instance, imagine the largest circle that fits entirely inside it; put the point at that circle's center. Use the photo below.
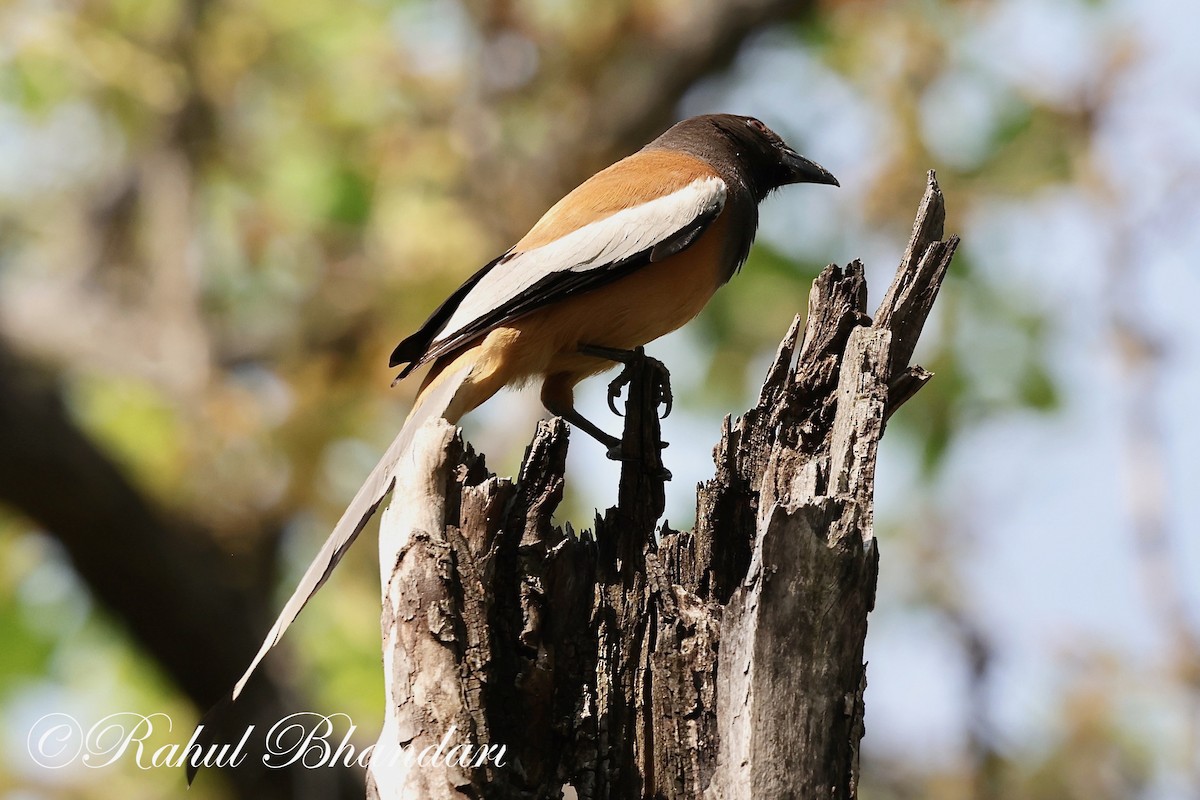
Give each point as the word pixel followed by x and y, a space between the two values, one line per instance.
pixel 631 254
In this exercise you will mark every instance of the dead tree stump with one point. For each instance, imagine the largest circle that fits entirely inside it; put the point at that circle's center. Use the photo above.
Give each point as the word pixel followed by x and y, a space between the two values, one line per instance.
pixel 724 662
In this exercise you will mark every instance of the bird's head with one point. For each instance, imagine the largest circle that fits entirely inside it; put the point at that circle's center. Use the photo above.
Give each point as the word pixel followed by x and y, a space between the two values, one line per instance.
pixel 759 154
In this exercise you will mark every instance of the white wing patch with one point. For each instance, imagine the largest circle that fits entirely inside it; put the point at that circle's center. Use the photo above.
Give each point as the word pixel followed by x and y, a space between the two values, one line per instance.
pixel 592 247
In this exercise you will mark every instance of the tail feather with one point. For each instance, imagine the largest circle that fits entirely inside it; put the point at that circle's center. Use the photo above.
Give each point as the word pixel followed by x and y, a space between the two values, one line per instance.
pixel 431 404
pixel 436 400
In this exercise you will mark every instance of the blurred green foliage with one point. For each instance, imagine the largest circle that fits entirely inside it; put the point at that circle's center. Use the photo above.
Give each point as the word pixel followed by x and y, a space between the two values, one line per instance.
pixel 231 211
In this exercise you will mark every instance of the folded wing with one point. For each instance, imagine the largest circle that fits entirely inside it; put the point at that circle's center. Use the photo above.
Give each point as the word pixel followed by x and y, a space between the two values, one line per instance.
pixel 582 259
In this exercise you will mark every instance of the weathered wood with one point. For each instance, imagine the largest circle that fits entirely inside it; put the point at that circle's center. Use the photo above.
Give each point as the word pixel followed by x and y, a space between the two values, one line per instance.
pixel 724 662
pixel 424 635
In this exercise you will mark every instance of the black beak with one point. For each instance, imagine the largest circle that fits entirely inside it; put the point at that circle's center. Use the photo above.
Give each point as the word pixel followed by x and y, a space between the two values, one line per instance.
pixel 801 170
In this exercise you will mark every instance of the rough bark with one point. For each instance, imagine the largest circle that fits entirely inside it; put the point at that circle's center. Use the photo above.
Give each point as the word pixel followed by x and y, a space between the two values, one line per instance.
pixel 724 662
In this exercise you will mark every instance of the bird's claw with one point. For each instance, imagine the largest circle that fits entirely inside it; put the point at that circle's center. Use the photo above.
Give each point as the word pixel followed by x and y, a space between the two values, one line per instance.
pixel 614 390
pixel 665 398
pixel 662 384
pixel 662 380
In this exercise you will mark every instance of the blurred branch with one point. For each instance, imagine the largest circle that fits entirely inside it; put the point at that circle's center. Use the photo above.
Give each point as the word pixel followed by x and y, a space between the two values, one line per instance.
pixel 987 764
pixel 637 92
pixel 631 85
pixel 1145 473
pixel 165 582
pixel 1142 356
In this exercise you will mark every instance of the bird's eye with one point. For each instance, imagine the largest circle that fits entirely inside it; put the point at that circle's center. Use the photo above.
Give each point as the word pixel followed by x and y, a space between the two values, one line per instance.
pixel 756 125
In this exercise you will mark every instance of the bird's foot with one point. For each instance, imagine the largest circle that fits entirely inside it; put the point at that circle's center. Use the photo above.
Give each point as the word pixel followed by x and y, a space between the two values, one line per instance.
pixel 660 377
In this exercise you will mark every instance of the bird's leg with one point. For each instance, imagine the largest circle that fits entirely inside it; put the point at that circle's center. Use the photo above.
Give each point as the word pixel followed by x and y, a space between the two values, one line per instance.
pixel 558 398
pixel 591 429
pixel 662 378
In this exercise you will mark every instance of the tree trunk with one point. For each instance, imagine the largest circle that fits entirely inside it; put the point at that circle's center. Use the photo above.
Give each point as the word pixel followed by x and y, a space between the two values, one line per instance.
pixel 724 662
